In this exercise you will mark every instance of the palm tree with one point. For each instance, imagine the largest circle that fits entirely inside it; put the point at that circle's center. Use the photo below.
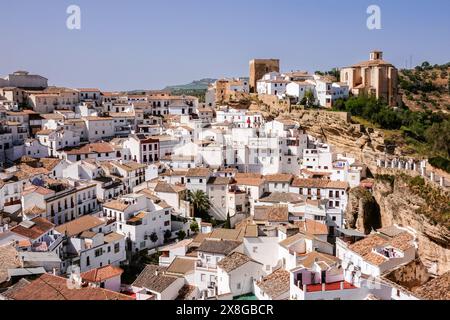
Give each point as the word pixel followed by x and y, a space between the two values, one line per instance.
pixel 200 201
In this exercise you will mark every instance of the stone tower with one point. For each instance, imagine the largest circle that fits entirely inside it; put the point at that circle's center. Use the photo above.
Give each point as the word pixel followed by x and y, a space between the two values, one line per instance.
pixel 259 67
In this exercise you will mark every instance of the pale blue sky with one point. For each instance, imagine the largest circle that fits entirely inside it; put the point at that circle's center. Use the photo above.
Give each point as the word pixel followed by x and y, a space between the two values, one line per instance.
pixel 154 43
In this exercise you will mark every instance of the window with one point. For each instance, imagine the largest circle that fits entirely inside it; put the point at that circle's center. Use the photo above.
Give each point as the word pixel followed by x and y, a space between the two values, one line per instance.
pixel 98 252
pixel 255 249
pixel 116 248
pixel 88 261
pixel 238 286
pixel 202 277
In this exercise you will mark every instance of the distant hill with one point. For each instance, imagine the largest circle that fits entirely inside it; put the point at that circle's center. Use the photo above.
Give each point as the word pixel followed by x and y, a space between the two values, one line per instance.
pixel 427 87
pixel 194 85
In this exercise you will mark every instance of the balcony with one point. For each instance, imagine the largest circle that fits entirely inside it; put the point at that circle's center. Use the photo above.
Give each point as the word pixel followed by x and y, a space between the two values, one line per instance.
pixel 205 266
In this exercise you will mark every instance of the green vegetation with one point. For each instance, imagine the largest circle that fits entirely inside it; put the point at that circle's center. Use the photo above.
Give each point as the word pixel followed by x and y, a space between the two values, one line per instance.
pixel 386 178
pixel 426 132
pixel 441 163
pixel 167 235
pixel 437 207
pixel 227 222
pixel 181 235
pixel 437 202
pixel 333 73
pixel 194 226
pixel 201 204
pixel 198 93
pixel 154 237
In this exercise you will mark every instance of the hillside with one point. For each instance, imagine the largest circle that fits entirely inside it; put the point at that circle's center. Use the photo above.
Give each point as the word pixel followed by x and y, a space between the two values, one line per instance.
pixel 426 87
pixel 194 85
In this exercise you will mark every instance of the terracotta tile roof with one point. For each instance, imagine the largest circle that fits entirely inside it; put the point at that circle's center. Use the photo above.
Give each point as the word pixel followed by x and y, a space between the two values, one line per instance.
pixel 88 89
pixel 219 246
pixel 198 172
pixel 285 197
pixel 41 226
pixel 185 291
pixel 77 226
pixel 319 183
pixel 313 257
pixel 402 241
pixel 234 261
pixel 154 279
pixel 220 181
pixel 226 234
pixel 101 147
pixel 286 178
pixel 50 163
pixel 181 266
pixel 165 187
pixel 129 166
pixel 286 243
pixel 41 190
pixel 312 227
pixel 375 259
pixel 255 182
pixel 116 205
pixel 101 274
pixel 271 213
pixel 94 118
pixel 275 284
pixel 45 132
pixel 50 287
pixel 113 237
pixel 364 247
pixel 436 289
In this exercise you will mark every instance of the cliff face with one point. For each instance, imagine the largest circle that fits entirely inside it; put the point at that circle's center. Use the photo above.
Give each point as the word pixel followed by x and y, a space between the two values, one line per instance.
pixel 401 204
pixel 393 202
pixel 335 128
pixel 363 212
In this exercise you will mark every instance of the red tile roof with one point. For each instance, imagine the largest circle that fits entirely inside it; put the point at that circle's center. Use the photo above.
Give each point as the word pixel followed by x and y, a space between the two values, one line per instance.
pixel 50 287
pixel 101 274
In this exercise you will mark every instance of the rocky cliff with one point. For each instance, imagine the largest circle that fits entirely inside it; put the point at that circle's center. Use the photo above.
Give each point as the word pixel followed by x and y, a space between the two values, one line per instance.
pixel 407 201
pixel 401 200
pixel 335 128
pixel 363 212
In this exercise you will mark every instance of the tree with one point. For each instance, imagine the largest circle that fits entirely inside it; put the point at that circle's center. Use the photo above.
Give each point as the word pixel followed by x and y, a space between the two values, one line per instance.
pixel 310 99
pixel 154 237
pixel 228 222
pixel 201 203
pixel 167 235
pixel 194 226
pixel 181 235
pixel 438 136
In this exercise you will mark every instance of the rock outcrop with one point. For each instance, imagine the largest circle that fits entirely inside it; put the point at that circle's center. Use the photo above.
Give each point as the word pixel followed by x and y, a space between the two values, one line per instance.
pixel 363 212
pixel 393 202
pixel 335 128
pixel 404 203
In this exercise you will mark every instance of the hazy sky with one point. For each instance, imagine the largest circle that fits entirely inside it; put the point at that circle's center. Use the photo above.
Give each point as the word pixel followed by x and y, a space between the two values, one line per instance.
pixel 153 43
